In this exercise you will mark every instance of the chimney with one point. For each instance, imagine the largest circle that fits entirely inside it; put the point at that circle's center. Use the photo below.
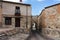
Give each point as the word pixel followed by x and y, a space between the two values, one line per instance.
pixel 20 0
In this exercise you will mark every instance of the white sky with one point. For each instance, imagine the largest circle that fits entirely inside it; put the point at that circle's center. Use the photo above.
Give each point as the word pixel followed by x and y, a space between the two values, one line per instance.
pixel 12 0
pixel 16 0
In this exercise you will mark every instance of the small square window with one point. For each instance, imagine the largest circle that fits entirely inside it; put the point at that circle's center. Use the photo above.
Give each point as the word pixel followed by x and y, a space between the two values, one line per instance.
pixel 7 20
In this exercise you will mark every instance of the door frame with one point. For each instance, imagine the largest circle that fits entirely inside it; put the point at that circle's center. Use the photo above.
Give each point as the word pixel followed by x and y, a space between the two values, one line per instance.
pixel 17 22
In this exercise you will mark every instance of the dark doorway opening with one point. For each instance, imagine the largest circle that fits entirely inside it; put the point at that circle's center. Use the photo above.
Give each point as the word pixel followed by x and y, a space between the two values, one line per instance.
pixel 17 22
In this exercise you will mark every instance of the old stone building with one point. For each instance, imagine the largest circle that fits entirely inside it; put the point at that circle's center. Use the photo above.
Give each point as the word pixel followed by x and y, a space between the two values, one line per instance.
pixel 49 20
pixel 35 20
pixel 15 15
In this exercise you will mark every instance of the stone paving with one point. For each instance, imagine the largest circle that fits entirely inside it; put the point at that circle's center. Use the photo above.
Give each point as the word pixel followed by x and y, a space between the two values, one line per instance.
pixel 34 35
pixel 37 36
pixel 19 36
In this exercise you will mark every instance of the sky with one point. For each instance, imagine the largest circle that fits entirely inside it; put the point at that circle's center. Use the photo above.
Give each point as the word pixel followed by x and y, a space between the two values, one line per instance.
pixel 38 5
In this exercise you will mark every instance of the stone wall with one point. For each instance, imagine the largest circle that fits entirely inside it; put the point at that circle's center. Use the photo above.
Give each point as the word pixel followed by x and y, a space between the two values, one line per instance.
pixel 26 23
pixel 8 26
pixel 0 15
pixel 8 10
pixel 35 20
pixel 49 20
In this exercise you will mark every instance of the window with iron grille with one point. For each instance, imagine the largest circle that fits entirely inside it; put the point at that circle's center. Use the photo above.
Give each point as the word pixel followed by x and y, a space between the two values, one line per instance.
pixel 17 11
pixel 8 21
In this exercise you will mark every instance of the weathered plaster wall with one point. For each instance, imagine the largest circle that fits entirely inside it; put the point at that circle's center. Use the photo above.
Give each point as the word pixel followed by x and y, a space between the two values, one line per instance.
pixel 50 21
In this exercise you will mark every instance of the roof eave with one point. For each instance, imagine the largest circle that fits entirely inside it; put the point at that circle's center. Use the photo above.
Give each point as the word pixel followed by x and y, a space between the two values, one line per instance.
pixel 52 5
pixel 16 3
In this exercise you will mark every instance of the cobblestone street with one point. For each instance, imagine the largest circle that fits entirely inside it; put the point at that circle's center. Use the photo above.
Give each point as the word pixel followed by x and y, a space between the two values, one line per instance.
pixel 19 36
pixel 34 35
pixel 37 36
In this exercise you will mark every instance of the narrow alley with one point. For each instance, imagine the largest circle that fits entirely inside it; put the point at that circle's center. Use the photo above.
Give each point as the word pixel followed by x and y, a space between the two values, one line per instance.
pixel 35 35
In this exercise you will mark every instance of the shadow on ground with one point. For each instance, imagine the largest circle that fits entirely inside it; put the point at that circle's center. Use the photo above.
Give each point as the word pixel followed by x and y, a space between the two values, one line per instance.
pixel 36 35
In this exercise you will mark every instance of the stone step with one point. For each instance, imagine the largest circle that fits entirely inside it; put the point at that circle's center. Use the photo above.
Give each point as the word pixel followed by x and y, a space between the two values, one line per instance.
pixel 11 32
pixel 8 32
pixel 2 35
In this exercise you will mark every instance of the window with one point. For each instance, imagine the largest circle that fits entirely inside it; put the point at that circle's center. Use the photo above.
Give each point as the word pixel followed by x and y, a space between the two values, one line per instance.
pixel 7 20
pixel 17 11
